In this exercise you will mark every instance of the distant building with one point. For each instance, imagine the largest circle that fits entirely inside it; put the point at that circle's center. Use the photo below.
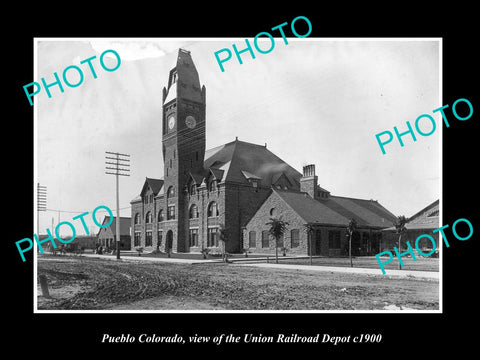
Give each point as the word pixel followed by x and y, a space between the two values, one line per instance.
pixel 106 236
pixel 423 222
pixel 86 241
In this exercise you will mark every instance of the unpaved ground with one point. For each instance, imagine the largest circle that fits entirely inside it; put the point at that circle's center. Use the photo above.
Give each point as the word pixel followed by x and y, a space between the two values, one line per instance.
pixel 98 284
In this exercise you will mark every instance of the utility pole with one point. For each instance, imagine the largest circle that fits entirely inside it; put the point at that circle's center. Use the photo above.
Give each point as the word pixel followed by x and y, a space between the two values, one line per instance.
pixel 121 167
pixel 41 203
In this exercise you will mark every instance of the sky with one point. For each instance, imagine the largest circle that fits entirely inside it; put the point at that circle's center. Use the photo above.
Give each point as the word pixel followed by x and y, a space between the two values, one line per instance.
pixel 313 101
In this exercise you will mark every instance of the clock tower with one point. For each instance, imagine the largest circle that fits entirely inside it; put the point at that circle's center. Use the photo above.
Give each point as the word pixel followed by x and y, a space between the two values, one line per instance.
pixel 183 124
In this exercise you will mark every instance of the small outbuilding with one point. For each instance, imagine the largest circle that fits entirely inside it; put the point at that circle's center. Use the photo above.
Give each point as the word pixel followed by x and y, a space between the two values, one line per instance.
pixel 106 236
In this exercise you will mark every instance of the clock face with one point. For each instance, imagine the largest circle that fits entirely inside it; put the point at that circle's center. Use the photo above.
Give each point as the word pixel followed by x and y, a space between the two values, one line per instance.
pixel 171 122
pixel 190 121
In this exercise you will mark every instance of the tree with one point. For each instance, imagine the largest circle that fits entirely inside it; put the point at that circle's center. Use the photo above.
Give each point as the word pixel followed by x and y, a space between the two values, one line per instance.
pixel 222 236
pixel 309 228
pixel 278 227
pixel 351 228
pixel 400 230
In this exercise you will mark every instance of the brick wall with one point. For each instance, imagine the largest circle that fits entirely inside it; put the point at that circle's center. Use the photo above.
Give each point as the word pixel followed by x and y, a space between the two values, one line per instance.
pixel 320 244
pixel 262 216
pixel 242 201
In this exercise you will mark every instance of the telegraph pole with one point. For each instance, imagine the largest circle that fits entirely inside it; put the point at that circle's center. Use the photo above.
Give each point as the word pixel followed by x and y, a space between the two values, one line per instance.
pixel 41 203
pixel 121 167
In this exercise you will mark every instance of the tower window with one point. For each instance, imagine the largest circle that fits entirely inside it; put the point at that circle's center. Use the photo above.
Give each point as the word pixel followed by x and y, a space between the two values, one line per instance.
pixel 212 209
pixel 171 212
pixel 160 215
pixel 174 77
pixel 170 192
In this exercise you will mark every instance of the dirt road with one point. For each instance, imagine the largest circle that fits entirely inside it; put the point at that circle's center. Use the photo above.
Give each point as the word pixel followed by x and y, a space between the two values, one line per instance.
pixel 89 283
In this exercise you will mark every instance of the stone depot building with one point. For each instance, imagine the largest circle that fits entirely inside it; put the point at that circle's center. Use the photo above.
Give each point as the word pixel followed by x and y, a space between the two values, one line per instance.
pixel 238 186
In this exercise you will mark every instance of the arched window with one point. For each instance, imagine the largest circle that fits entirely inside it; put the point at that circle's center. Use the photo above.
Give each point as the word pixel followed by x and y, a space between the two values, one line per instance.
pixel 193 211
pixel 148 217
pixel 212 209
pixel 294 238
pixel 212 185
pixel 193 189
pixel 137 219
pixel 252 239
pixel 160 215
pixel 171 192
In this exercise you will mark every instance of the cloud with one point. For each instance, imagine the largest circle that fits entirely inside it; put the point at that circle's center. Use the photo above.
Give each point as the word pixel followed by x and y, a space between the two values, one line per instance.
pixel 133 49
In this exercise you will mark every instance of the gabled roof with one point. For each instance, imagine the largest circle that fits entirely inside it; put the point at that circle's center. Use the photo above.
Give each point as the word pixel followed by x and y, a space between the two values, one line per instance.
pixel 125 223
pixel 253 159
pixel 217 173
pixel 429 214
pixel 427 218
pixel 154 184
pixel 337 210
pixel 198 178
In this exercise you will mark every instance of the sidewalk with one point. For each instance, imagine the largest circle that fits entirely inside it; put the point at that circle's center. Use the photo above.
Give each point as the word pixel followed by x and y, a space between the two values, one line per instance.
pixel 148 258
pixel 367 271
pixel 258 263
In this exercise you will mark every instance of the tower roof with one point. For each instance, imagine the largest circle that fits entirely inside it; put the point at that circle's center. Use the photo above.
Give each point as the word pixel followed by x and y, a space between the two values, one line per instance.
pixel 252 159
pixel 183 81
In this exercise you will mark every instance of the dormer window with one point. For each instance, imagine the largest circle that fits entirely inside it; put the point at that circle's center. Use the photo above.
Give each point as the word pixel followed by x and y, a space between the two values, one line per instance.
pixel 254 183
pixel 212 185
pixel 193 189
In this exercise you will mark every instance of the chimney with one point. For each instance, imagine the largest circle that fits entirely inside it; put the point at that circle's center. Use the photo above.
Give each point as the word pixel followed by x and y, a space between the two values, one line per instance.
pixel 309 181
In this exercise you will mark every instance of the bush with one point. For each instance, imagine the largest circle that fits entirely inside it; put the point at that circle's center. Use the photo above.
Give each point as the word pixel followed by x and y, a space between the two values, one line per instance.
pixel 140 250
pixel 205 252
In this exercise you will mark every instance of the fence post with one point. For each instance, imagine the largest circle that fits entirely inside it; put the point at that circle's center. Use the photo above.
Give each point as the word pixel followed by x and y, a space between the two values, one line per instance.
pixel 44 286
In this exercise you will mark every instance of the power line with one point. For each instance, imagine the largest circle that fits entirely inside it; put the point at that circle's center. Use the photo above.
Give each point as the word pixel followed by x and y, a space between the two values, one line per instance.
pixel 79 212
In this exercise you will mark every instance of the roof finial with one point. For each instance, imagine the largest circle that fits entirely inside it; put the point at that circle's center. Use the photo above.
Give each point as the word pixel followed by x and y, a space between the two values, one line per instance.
pixel 236 138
